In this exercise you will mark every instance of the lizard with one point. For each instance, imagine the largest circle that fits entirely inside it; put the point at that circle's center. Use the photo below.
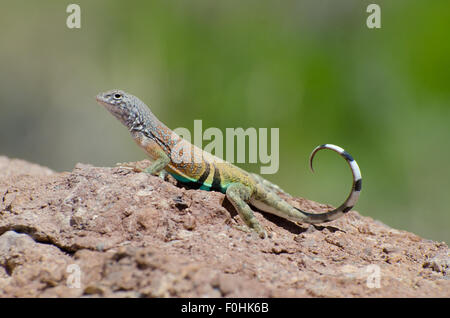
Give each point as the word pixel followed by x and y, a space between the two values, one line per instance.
pixel 199 169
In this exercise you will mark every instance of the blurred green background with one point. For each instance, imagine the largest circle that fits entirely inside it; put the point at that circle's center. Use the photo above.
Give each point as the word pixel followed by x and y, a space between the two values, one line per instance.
pixel 311 68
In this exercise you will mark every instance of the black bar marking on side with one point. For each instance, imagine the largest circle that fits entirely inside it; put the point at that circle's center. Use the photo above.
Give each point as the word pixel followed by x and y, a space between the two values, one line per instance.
pixel 215 186
pixel 197 184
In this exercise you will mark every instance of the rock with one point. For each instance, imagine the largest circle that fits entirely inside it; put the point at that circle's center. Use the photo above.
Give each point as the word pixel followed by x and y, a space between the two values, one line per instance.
pixel 439 263
pixel 113 232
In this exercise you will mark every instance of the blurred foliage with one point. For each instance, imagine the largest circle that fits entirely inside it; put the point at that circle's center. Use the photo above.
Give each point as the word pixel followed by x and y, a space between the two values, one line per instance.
pixel 311 68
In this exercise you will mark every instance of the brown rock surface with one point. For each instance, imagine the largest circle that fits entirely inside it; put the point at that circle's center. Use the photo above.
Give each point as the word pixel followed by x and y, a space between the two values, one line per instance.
pixel 132 234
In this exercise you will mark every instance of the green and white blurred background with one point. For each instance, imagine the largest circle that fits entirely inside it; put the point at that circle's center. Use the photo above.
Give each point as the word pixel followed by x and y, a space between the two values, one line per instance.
pixel 311 68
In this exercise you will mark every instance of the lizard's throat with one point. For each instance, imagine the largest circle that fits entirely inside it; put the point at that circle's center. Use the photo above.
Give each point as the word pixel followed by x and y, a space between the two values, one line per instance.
pixel 124 117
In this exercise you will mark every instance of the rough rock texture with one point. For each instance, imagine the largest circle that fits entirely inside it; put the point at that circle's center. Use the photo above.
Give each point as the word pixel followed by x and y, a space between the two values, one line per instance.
pixel 112 232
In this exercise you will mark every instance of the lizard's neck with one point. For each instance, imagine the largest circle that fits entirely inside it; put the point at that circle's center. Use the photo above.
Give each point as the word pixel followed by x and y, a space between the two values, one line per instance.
pixel 141 119
pixel 142 124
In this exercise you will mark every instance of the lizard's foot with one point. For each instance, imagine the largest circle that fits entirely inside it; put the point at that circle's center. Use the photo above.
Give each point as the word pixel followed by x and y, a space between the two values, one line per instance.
pixel 134 166
pixel 142 167
pixel 162 174
pixel 261 231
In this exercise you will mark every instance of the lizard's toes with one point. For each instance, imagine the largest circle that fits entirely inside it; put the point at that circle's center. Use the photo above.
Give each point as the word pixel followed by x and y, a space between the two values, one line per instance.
pixel 262 232
pixel 130 166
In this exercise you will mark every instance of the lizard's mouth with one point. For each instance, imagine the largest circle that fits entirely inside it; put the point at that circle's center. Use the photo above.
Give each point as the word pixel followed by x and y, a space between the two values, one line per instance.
pixel 103 102
pixel 99 98
pixel 115 110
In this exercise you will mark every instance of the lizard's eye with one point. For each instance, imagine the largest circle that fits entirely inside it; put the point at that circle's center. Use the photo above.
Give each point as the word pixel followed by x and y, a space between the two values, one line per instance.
pixel 117 96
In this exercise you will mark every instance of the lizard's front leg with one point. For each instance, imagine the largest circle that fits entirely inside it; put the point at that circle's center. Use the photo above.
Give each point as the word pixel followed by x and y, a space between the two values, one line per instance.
pixel 157 167
pixel 160 160
pixel 239 195
pixel 137 167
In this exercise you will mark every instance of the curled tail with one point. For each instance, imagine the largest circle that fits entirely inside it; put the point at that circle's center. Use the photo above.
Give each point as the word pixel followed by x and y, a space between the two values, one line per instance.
pixel 352 197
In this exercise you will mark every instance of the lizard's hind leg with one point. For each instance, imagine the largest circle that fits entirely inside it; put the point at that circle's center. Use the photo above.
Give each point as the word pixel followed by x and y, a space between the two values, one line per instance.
pixel 239 195
pixel 268 184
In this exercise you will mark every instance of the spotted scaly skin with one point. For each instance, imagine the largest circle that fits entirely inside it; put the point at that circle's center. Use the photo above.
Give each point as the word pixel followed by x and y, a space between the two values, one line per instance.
pixel 202 170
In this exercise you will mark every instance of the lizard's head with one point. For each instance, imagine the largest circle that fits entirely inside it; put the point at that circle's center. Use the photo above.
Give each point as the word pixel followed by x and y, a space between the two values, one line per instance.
pixel 121 104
